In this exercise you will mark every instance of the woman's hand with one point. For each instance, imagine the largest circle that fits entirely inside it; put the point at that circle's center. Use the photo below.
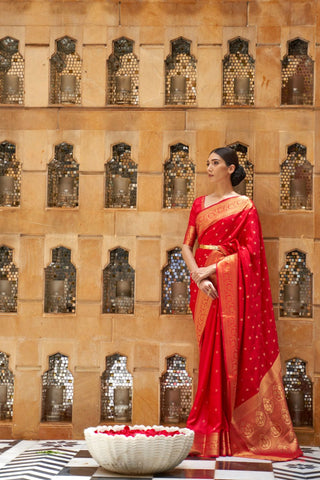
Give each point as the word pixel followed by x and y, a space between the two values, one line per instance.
pixel 208 288
pixel 202 273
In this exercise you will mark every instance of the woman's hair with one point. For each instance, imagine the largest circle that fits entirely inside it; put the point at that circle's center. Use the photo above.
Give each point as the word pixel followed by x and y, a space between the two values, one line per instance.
pixel 229 155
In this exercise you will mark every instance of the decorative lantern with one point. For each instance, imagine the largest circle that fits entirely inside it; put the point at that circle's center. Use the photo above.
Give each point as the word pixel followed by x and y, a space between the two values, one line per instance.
pixel 121 396
pixel 65 191
pixel 296 89
pixel 296 406
pixel 179 300
pixel 124 300
pixel 291 299
pixel 179 197
pixel 6 190
pixel 54 401
pixel 172 405
pixel 298 193
pixel 178 89
pixel 120 190
pixel 123 89
pixel 68 88
pixel 11 84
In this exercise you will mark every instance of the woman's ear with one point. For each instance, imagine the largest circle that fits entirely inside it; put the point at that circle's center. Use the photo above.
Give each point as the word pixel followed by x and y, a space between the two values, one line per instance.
pixel 231 168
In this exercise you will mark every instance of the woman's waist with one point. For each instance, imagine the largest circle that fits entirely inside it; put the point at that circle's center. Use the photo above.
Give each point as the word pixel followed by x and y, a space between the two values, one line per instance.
pixel 212 248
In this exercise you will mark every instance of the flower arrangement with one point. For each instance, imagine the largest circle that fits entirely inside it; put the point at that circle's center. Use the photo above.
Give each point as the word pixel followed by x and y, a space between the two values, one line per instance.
pixel 132 432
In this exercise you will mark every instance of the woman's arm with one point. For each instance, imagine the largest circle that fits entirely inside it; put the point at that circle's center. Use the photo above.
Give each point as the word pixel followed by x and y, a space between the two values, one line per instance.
pixel 200 275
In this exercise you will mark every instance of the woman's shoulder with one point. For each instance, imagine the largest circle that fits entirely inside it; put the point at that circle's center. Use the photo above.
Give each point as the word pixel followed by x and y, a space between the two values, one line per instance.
pixel 245 200
pixel 198 202
pixel 197 205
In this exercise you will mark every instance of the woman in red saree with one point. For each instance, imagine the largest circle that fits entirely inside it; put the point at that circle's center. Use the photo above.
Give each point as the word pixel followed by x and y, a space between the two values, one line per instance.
pixel 240 407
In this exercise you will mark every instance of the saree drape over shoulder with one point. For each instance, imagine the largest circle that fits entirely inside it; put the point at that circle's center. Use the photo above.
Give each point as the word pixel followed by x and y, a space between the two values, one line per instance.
pixel 240 407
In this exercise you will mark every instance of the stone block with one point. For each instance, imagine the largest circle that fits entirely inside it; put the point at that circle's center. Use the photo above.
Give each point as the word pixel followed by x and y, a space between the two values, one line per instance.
pixel 37 34
pixel 269 35
pixel 207 140
pixel 183 14
pixel 24 119
pixel 55 431
pixel 150 152
pixel 266 157
pixel 86 400
pixel 137 223
pixel 31 271
pixel 27 352
pixel 269 14
pixel 27 388
pixel 146 355
pixel 294 224
pixel 94 34
pixel 91 328
pixel 93 151
pixel 34 151
pixel 8 327
pixel 94 78
pixel 298 333
pixel 303 12
pixel 36 76
pixel 268 76
pixel 146 402
pixel 148 270
pixel 267 193
pixel 33 191
pixel 89 285
pixel 152 82
pixel 174 222
pixel 112 119
pixel 6 430
pixel 209 83
pixel 150 193
pixel 152 35
pixel 91 191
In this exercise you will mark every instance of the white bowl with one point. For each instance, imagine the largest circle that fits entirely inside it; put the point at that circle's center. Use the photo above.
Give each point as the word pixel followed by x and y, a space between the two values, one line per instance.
pixel 139 454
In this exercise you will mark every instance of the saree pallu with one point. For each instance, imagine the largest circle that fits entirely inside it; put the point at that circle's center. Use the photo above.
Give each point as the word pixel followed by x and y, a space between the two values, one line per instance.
pixel 240 407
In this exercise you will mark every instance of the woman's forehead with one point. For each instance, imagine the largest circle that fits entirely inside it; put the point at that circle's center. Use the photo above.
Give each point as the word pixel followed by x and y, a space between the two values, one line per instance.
pixel 214 156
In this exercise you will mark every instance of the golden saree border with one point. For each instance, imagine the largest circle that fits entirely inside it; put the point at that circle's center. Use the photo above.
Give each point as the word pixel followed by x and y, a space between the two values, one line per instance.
pixel 261 427
pixel 214 444
pixel 190 236
pixel 204 302
pixel 218 211
pixel 227 275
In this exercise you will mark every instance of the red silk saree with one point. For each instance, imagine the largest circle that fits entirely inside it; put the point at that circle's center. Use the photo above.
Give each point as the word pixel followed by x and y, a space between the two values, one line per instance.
pixel 240 407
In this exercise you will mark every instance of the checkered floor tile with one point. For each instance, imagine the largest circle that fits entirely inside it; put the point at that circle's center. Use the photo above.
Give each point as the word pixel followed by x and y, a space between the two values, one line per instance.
pixel 70 460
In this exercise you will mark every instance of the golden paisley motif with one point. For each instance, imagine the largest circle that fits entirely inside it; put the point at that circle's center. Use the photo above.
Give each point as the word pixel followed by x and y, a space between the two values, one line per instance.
pixel 285 416
pixel 268 405
pixel 247 429
pixel 264 442
pixel 276 430
pixel 260 418
pixel 278 392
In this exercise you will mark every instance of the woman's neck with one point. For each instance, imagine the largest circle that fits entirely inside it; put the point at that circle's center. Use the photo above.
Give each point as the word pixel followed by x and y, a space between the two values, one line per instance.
pixel 222 191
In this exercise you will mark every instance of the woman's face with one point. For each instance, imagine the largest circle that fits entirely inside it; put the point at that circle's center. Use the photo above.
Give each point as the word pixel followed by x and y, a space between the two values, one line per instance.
pixel 217 168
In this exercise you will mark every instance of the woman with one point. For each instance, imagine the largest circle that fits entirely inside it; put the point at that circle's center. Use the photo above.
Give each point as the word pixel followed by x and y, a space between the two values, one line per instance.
pixel 240 407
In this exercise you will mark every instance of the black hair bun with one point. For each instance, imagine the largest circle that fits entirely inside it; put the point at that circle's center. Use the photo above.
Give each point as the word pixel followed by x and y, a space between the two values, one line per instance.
pixel 238 175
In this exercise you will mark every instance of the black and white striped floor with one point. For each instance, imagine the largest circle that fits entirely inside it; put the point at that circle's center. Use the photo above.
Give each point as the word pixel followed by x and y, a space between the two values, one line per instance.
pixel 70 460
